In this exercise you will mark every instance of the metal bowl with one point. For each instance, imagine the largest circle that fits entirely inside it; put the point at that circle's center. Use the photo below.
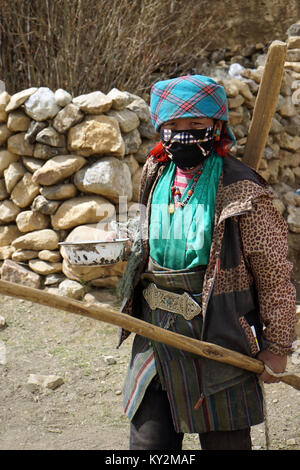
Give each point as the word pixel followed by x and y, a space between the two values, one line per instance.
pixel 95 253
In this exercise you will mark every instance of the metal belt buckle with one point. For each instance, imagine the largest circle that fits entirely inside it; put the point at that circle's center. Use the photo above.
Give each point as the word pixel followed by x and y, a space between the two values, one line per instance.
pixel 182 304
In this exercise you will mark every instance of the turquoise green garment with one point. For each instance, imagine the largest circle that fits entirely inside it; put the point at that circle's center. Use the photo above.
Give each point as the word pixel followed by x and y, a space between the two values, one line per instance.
pixel 182 240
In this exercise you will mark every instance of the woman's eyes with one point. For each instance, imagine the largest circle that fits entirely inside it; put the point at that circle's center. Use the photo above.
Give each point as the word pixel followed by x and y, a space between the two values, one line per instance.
pixel 192 125
pixel 198 125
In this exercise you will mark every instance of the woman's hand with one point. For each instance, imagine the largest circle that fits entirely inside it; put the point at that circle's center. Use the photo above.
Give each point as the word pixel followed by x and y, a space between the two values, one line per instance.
pixel 273 361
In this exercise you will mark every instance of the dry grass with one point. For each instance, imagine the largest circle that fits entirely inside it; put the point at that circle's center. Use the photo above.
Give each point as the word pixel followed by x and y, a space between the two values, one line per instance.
pixel 87 45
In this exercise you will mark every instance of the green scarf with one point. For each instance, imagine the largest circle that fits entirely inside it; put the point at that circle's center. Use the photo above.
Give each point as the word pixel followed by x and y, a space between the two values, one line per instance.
pixel 182 240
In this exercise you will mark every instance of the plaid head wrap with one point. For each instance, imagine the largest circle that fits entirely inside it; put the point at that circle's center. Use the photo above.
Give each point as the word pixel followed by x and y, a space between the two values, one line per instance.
pixel 192 96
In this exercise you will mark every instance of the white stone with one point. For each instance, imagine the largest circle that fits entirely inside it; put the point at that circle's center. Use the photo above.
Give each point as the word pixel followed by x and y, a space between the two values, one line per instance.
pixel 49 136
pixel 4 100
pixel 59 191
pixel 25 191
pixel 19 98
pixel 45 381
pixel 57 169
pixel 13 174
pixel 286 108
pixel 295 66
pixel 44 267
pixel 67 117
pixel 53 279
pixel 18 121
pixel 140 107
pixel 291 442
pixel 235 102
pixel 93 103
pixel 82 210
pixel 8 233
pixel 132 164
pixel 62 97
pixel 51 256
pixel 37 240
pixel 6 252
pixel 17 145
pixel 108 177
pixel 120 99
pixel 45 152
pixel 32 164
pixel 13 272
pixel 110 360
pixel 5 133
pixel 127 119
pixel 96 135
pixel 290 142
pixel 293 219
pixel 42 105
pixel 44 206
pixel 147 130
pixel 132 141
pixel 72 289
pixel 8 211
pixel 6 158
pixel 28 221
pixel 24 255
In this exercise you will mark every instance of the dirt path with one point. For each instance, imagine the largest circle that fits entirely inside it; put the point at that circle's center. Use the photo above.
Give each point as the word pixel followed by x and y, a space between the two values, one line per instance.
pixel 86 411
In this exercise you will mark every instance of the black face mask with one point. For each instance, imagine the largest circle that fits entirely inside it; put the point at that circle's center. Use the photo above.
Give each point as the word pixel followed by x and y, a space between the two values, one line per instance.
pixel 188 149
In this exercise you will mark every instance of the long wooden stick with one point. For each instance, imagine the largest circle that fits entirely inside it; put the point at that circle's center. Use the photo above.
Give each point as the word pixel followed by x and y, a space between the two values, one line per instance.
pixel 105 313
pixel 265 104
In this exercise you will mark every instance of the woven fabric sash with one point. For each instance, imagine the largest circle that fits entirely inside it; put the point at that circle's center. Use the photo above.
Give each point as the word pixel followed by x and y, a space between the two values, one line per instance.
pixel 190 280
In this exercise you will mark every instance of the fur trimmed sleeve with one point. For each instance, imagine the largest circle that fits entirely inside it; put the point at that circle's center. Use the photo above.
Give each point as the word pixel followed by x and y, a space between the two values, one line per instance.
pixel 264 237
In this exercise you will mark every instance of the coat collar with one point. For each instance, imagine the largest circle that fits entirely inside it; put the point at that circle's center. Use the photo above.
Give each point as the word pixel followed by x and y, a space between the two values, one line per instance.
pixel 239 187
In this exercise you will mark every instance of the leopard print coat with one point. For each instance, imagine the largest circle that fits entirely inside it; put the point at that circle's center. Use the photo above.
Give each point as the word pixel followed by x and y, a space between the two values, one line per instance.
pixel 247 281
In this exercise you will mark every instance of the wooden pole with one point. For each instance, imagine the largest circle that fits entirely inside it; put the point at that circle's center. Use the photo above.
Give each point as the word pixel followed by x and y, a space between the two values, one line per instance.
pixel 105 313
pixel 265 104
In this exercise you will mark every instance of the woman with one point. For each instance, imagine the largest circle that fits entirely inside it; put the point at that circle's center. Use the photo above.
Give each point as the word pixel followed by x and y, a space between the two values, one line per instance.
pixel 212 234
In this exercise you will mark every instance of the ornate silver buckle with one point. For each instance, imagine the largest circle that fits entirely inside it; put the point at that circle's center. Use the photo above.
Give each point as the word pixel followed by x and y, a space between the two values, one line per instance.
pixel 182 304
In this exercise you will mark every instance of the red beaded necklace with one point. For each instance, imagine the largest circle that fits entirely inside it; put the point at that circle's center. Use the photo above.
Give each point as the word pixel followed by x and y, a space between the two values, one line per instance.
pixel 176 195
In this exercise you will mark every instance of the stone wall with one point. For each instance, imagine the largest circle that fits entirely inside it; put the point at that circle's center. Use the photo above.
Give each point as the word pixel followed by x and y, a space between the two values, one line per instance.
pixel 65 161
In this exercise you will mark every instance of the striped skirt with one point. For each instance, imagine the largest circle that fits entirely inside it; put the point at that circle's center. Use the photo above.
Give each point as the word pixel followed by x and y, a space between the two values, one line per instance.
pixel 237 407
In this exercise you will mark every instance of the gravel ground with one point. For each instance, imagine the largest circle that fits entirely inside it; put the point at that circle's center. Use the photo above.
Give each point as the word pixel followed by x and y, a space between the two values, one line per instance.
pixel 85 412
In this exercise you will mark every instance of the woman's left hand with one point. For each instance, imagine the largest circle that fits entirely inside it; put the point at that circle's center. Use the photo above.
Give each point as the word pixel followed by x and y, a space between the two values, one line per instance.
pixel 275 362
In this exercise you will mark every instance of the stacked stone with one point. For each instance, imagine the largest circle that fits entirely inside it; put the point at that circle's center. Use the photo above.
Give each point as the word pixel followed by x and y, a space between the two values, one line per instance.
pixel 64 163
pixel 280 165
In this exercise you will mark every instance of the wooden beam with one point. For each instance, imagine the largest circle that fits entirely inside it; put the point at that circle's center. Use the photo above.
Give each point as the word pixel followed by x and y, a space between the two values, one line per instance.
pixel 265 104
pixel 104 312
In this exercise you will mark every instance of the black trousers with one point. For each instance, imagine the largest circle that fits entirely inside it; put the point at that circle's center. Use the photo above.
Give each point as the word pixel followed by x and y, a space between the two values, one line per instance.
pixel 152 428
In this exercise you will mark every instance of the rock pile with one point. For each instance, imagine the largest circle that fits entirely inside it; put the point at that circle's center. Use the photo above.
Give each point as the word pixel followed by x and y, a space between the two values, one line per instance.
pixel 241 73
pixel 65 162
pixel 280 165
